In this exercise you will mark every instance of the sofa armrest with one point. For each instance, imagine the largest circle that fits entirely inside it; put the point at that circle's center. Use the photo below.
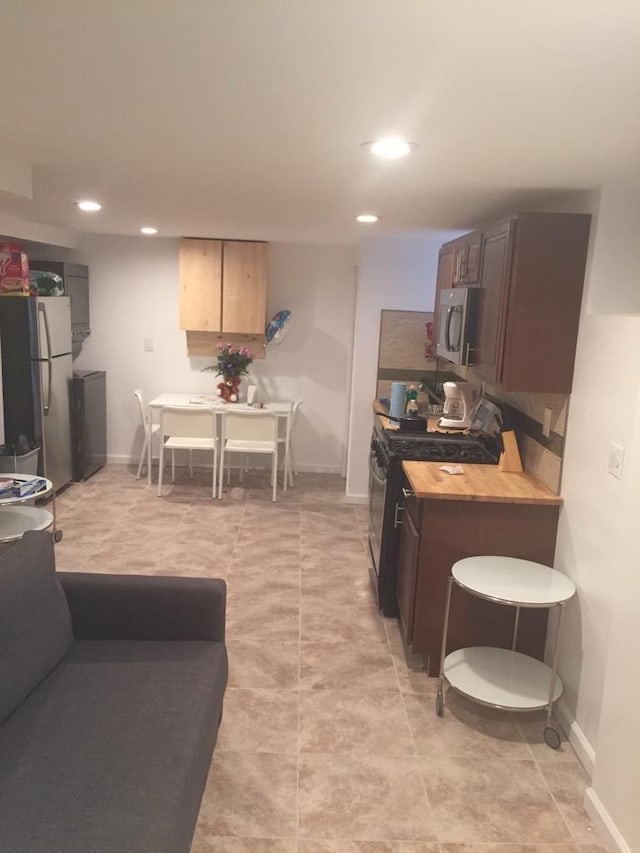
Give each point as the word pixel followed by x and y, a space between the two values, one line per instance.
pixel 140 607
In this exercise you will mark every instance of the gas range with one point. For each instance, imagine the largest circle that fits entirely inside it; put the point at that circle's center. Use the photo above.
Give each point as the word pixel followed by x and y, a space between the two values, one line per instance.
pixel 436 447
pixel 439 447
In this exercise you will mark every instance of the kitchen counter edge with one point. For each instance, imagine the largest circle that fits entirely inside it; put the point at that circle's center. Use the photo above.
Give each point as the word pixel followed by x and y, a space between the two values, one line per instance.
pixel 478 483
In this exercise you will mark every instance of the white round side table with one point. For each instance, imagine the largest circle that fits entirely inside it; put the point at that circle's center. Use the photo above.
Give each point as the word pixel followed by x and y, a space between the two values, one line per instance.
pixel 505 678
pixel 17 516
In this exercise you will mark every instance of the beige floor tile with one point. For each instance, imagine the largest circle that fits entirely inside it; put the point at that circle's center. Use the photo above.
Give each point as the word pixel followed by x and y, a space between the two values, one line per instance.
pixel 341 623
pixel 258 720
pixel 491 801
pixel 340 798
pixel 411 674
pixel 284 557
pixel 252 585
pixel 320 562
pixel 532 725
pixel 123 559
pixel 367 847
pixel 357 666
pixel 467 730
pixel 508 848
pixel 269 617
pixel 256 664
pixel 318 590
pixel 250 795
pixel 567 782
pixel 203 843
pixel 345 721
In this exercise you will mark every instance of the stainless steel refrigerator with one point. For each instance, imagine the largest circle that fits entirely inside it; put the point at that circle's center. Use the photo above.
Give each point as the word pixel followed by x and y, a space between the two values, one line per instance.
pixel 35 345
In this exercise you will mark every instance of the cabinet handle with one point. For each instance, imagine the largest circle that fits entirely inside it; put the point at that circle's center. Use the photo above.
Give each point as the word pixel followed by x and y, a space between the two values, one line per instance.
pixel 408 493
pixel 396 520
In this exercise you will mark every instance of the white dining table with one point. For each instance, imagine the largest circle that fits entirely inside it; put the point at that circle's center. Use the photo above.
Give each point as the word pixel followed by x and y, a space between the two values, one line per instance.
pixel 281 408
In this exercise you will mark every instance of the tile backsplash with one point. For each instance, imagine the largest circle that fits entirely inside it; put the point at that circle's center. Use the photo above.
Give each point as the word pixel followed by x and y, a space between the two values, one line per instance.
pixel 541 456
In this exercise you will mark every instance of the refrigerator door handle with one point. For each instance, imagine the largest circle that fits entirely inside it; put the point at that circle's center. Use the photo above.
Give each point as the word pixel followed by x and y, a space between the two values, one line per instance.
pixel 46 406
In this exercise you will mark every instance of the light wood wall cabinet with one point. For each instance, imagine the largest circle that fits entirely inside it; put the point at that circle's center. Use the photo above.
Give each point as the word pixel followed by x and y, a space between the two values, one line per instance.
pixel 223 290
pixel 201 285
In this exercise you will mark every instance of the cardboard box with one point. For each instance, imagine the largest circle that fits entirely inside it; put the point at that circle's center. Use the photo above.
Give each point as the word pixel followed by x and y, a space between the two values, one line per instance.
pixel 14 270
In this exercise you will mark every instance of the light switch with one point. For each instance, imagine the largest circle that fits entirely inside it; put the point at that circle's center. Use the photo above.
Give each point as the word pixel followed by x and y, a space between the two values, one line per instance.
pixel 148 344
pixel 616 460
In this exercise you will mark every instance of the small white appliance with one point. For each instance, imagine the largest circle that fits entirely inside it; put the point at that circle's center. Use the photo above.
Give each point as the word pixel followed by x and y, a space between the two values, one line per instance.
pixel 458 401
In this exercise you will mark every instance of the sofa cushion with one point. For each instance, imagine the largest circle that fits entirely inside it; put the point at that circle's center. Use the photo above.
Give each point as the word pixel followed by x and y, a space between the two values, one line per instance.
pixel 111 752
pixel 35 625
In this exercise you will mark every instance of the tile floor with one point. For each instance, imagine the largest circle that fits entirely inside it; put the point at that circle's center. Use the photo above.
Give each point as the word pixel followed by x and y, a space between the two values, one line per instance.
pixel 329 742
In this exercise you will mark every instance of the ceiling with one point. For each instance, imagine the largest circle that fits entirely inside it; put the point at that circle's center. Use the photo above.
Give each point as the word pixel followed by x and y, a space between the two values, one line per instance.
pixel 245 118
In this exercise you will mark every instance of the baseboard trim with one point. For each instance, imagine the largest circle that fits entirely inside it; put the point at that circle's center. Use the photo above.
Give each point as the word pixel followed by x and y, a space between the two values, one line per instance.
pixel 577 738
pixel 121 459
pixel 356 499
pixel 601 819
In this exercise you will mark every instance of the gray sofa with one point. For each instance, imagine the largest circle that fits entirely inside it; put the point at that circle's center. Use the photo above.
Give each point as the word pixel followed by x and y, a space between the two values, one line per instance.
pixel 111 691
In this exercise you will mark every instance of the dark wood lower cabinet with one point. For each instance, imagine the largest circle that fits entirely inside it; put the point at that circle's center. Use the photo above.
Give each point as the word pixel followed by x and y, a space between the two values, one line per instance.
pixel 449 530
pixel 408 547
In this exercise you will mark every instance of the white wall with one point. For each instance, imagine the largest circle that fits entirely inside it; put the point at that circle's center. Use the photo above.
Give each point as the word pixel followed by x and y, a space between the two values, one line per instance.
pixel 397 273
pixel 134 295
pixel 601 635
pixel 615 791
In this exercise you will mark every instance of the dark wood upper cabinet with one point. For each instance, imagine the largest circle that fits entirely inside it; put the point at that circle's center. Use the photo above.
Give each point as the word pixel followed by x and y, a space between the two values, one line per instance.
pixel 467 262
pixel 532 276
pixel 492 301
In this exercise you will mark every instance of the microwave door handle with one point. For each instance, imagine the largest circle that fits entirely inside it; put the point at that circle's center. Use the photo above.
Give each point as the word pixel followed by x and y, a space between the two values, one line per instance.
pixel 447 330
pixel 46 406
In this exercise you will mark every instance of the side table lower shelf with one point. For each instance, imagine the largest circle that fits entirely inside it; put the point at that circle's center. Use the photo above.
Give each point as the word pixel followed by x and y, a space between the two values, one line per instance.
pixel 501 678
pixel 16 520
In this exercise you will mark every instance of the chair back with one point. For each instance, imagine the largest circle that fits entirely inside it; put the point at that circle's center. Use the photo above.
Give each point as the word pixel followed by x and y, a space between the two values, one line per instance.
pixel 294 412
pixel 188 421
pixel 143 414
pixel 258 425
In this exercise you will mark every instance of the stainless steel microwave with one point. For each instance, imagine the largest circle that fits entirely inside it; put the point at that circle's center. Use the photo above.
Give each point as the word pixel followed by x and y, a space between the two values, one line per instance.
pixel 456 323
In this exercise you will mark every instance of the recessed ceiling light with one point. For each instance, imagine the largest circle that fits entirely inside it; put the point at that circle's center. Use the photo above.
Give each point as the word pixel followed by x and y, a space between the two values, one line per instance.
pixel 367 217
pixel 89 206
pixel 391 147
pixel 148 229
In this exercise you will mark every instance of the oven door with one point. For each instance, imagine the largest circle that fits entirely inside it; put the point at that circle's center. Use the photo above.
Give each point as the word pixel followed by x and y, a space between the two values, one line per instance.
pixel 377 494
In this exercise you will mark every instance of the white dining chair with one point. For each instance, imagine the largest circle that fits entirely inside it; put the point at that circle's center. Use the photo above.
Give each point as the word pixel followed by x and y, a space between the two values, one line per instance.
pixel 188 428
pixel 150 431
pixel 250 432
pixel 284 439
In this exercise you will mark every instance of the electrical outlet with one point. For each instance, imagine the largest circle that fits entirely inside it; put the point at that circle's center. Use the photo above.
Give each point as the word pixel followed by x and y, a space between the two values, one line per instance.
pixel 616 460
pixel 546 423
pixel 148 344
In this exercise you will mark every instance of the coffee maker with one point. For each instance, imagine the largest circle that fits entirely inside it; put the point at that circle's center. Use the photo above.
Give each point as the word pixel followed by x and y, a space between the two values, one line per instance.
pixel 458 401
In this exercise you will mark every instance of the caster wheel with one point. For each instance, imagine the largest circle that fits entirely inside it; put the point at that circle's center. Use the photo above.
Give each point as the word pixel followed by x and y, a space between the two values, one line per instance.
pixel 440 704
pixel 551 737
pixel 57 536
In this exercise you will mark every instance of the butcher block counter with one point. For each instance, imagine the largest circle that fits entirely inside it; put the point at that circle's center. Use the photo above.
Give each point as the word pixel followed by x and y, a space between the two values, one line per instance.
pixel 477 483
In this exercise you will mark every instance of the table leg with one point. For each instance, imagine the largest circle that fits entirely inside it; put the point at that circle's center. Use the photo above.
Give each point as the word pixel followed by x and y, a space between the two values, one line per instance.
pixel 149 442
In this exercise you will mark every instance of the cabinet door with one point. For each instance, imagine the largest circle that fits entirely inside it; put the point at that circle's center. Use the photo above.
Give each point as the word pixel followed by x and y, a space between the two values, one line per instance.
pixel 467 259
pixel 492 302
pixel 408 549
pixel 200 285
pixel 473 261
pixel 244 287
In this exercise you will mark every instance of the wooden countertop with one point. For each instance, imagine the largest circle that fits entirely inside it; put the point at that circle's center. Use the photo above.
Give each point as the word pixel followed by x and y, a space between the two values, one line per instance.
pixel 478 483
